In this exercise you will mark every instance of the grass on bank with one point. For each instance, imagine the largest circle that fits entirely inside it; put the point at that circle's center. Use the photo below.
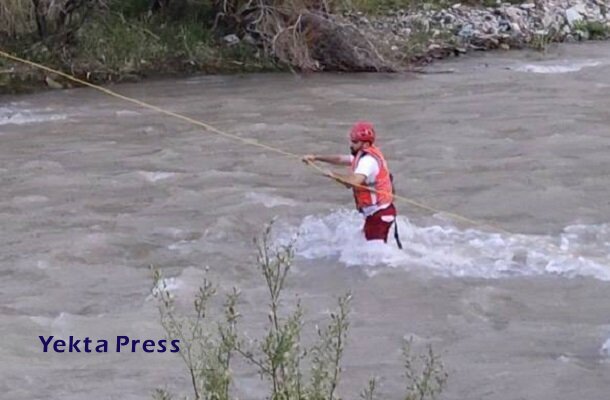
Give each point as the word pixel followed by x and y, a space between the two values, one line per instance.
pixel 122 47
pixel 122 41
pixel 594 30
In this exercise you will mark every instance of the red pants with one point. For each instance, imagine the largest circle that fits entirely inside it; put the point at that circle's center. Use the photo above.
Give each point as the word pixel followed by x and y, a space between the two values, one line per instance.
pixel 377 226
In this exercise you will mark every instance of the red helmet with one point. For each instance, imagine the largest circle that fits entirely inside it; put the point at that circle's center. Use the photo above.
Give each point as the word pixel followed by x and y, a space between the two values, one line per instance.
pixel 362 131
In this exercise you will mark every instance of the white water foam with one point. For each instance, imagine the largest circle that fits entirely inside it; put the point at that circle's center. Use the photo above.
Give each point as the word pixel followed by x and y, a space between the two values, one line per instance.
pixel 182 288
pixel 605 350
pixel 558 68
pixel 20 116
pixel 127 113
pixel 63 322
pixel 270 201
pixel 169 285
pixel 24 200
pixel 582 250
pixel 154 176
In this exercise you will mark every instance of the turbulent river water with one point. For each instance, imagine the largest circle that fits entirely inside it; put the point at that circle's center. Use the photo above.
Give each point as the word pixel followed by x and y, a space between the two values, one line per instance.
pixel 93 191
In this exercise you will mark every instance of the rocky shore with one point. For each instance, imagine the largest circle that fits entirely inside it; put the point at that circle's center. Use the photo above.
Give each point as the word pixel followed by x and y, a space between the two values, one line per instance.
pixel 430 33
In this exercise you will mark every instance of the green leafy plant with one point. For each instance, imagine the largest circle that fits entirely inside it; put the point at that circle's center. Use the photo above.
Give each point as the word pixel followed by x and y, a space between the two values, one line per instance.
pixel 294 371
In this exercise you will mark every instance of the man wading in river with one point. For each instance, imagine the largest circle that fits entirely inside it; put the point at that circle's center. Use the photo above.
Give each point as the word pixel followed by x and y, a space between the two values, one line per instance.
pixel 369 170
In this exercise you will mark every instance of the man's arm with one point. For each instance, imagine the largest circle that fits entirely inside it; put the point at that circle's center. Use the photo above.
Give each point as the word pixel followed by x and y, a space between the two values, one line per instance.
pixel 348 180
pixel 367 168
pixel 335 159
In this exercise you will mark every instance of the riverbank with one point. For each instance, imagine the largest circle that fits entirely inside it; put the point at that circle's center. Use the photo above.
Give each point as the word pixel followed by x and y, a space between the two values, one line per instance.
pixel 124 45
pixel 438 32
pixel 131 43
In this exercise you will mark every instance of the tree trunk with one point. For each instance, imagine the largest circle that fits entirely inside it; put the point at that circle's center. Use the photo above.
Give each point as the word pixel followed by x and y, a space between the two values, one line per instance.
pixel 41 22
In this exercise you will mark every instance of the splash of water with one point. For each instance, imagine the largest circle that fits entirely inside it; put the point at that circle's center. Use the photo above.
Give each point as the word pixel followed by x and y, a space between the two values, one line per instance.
pixel 559 68
pixel 581 250
pixel 19 116
pixel 269 200
pixel 605 350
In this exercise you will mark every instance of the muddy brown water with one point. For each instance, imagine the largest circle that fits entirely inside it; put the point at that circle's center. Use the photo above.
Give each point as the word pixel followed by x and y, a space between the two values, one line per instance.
pixel 93 191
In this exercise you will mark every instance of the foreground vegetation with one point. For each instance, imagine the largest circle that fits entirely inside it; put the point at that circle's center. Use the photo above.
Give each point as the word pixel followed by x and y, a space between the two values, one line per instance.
pixel 213 349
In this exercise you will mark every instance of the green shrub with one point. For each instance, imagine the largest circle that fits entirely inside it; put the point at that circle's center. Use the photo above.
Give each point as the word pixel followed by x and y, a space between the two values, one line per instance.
pixel 294 371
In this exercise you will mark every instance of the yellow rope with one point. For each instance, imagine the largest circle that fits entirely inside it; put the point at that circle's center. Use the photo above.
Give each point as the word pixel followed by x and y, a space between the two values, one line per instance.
pixel 226 134
pixel 250 142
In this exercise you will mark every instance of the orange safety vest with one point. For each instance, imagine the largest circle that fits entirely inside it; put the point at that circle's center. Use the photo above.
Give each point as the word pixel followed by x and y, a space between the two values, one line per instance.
pixel 382 184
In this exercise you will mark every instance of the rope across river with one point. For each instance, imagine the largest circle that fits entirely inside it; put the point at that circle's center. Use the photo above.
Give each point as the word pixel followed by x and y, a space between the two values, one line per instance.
pixel 255 143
